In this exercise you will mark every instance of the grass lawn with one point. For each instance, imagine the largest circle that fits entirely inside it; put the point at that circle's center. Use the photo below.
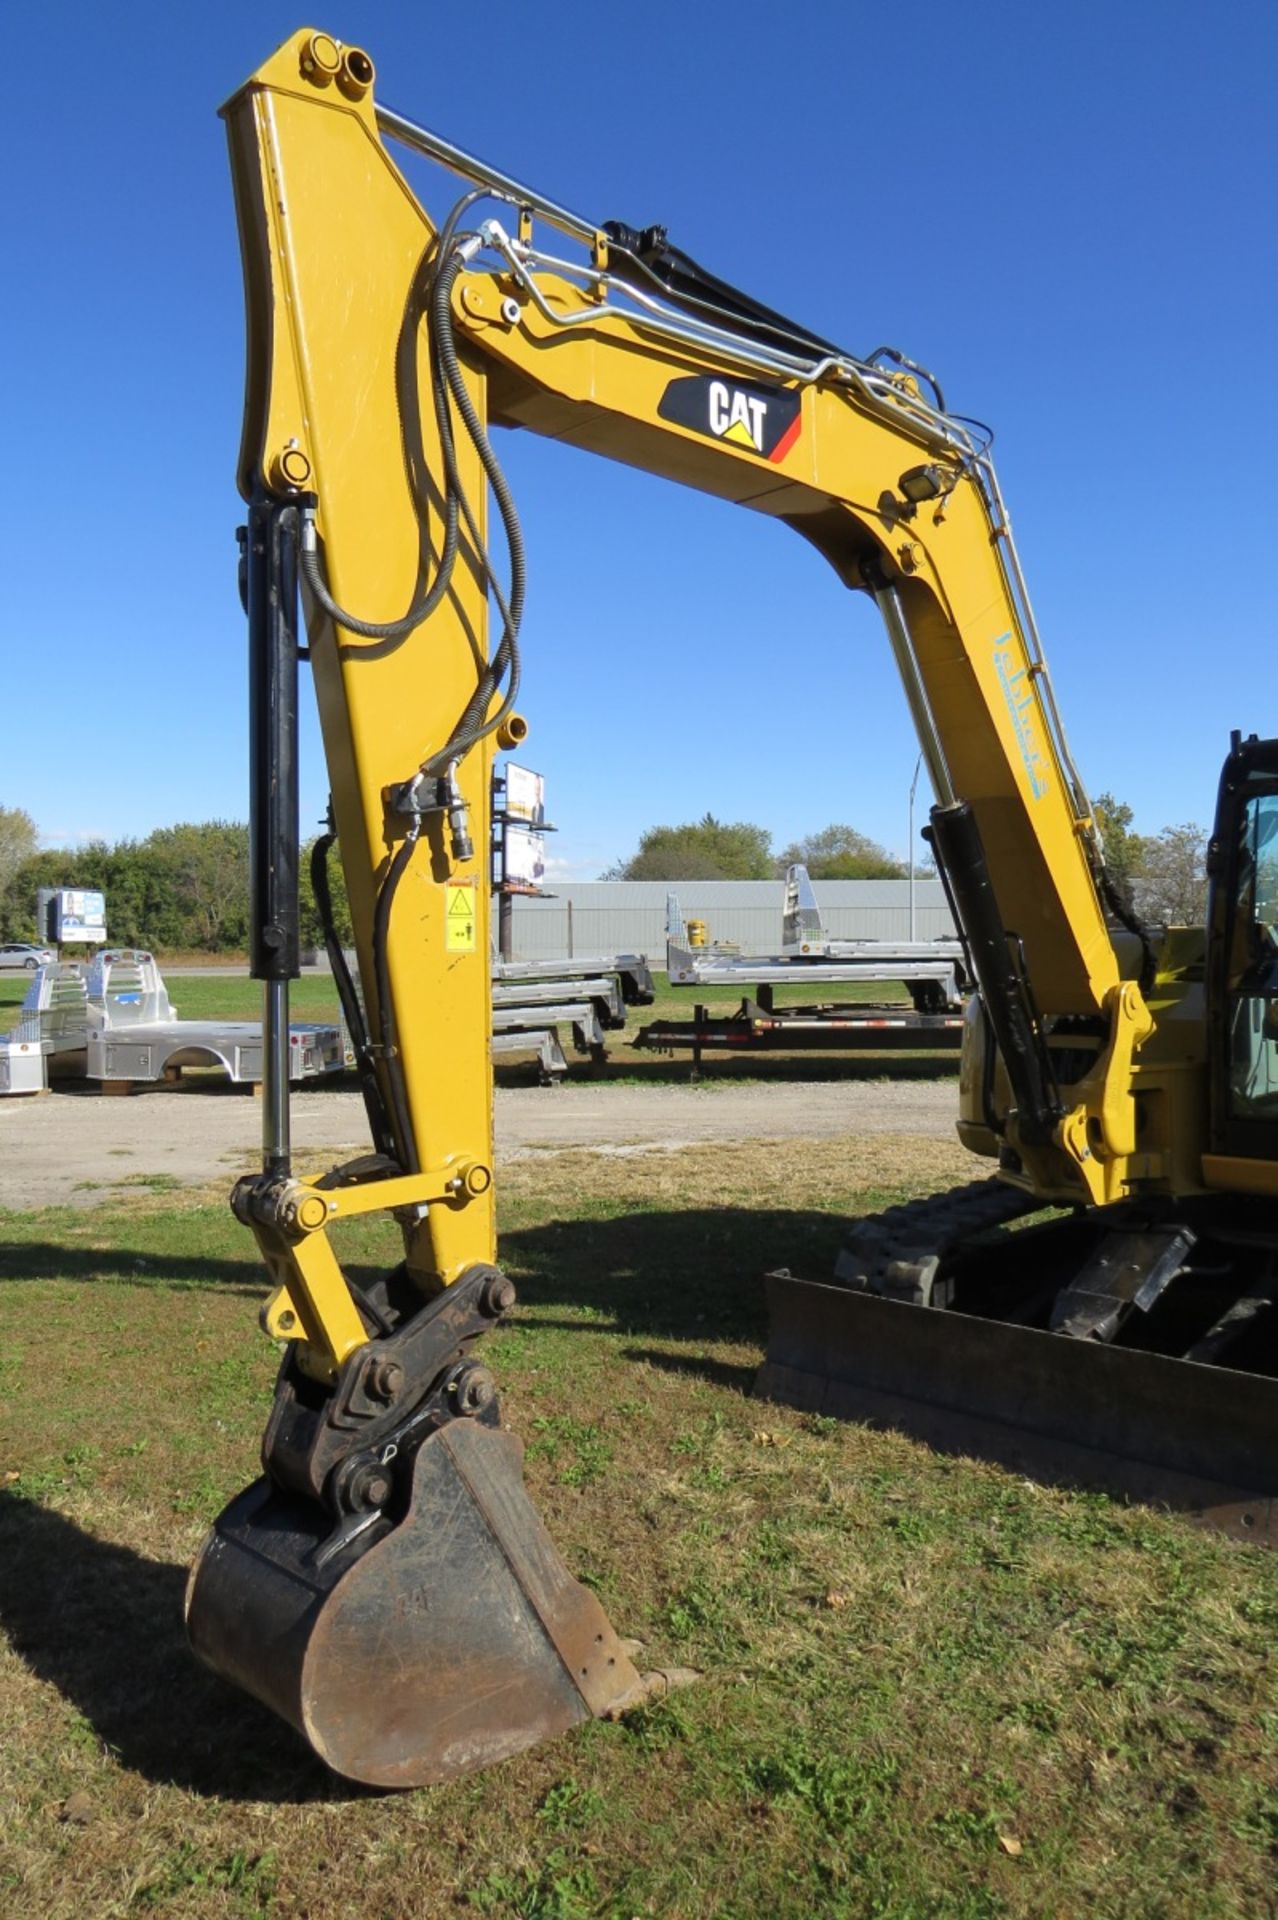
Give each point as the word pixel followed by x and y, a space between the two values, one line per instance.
pixel 931 1691
pixel 233 996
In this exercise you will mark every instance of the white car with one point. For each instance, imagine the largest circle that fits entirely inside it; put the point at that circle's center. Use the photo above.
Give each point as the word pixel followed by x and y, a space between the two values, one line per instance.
pixel 17 957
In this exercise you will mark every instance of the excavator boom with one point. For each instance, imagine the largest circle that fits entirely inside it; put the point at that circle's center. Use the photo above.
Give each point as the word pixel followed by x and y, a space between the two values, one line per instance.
pixel 386 1585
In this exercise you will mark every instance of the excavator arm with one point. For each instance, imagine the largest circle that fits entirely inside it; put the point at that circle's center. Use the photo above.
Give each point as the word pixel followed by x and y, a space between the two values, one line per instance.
pixel 390 1528
pixel 354 318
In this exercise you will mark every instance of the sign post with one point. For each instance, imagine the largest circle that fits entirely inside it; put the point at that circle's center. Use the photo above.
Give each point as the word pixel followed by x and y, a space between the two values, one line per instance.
pixel 519 847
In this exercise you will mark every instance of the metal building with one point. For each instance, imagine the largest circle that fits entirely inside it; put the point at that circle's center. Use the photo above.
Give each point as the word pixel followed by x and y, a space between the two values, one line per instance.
pixel 629 916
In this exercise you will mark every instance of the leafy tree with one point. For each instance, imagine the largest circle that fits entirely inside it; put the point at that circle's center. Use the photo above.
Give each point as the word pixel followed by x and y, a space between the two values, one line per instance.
pixel 1124 850
pixel 17 841
pixel 1171 884
pixel 1162 876
pixel 51 867
pixel 181 887
pixel 208 864
pixel 705 849
pixel 841 853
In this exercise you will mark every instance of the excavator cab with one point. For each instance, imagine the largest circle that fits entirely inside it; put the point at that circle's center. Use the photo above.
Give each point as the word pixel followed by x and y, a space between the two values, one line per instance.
pixel 1243 970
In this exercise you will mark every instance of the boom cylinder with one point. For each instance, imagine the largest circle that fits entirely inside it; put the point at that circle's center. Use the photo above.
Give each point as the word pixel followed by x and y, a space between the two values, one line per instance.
pixel 961 854
pixel 270 594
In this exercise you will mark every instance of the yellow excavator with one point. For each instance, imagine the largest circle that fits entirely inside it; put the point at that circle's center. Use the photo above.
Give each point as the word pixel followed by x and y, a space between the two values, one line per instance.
pixel 386 1585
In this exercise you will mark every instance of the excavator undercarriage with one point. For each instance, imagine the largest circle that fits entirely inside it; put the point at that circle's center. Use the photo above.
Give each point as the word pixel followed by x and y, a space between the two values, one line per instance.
pixel 1129 1349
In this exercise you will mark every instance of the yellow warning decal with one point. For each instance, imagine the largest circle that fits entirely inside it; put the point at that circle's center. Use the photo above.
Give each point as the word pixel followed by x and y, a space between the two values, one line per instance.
pixel 459 917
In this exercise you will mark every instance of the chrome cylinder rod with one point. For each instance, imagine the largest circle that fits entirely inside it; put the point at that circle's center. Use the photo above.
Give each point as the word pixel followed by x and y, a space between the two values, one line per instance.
pixel 397 127
pixel 276 1142
pixel 889 605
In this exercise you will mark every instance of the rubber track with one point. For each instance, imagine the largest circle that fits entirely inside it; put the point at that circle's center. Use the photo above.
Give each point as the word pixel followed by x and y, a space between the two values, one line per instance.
pixel 898 1252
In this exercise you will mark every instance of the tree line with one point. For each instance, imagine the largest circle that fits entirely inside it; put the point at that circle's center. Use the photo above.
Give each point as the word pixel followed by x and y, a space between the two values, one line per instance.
pixel 710 849
pixel 182 889
pixel 186 888
pixel 1162 876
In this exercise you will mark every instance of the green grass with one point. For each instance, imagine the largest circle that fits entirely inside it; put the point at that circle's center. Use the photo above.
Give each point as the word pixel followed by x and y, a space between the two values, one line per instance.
pixel 233 996
pixel 930 1688
pixel 236 997
pixel 13 991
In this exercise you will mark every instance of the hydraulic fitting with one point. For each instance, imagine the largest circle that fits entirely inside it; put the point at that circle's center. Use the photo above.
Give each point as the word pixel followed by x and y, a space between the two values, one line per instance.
pixel 463 847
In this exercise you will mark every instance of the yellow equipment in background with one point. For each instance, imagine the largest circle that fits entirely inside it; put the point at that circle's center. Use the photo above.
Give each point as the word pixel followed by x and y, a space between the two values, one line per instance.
pixel 386 1585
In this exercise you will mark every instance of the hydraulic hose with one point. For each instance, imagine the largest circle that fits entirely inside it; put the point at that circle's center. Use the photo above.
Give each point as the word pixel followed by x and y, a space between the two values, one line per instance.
pixel 475 723
pixel 416 615
pixel 448 392
pixel 353 1013
pixel 387 1023
pixel 1127 918
pixel 421 610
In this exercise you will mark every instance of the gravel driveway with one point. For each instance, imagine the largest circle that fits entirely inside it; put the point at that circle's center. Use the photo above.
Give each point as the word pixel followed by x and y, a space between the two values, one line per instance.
pixel 68 1148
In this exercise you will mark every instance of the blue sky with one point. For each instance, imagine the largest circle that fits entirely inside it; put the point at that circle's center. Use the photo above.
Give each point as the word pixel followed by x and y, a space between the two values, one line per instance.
pixel 1065 210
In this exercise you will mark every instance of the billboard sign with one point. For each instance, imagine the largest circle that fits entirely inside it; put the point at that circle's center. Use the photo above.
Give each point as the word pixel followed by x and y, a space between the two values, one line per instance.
pixel 79 917
pixel 523 857
pixel 525 795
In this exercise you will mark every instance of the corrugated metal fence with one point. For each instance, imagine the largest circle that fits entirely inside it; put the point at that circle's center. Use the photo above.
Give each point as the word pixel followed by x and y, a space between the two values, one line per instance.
pixel 629 916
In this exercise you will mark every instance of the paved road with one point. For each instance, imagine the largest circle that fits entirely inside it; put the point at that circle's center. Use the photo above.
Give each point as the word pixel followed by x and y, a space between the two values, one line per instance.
pixel 68 1148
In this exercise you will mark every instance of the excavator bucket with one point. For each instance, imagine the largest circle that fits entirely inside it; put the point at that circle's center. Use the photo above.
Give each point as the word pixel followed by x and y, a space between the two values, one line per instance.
pixel 407 1652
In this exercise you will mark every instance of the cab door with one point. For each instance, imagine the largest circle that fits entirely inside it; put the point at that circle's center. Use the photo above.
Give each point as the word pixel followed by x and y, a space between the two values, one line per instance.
pixel 1243 971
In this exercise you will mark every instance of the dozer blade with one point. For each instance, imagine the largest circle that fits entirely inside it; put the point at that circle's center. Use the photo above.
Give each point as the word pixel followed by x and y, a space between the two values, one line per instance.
pixel 1144 1425
pixel 417 1650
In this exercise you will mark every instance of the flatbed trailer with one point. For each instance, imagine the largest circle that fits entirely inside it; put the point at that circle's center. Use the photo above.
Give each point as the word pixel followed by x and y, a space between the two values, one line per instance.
pixel 934 972
pixel 631 970
pixel 110 1020
pixel 759 1027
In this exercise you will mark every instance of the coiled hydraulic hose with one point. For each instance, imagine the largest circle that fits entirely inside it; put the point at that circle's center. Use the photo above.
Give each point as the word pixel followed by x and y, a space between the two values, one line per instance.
pixel 448 391
pixel 475 722
pixel 421 610
pixel 448 386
